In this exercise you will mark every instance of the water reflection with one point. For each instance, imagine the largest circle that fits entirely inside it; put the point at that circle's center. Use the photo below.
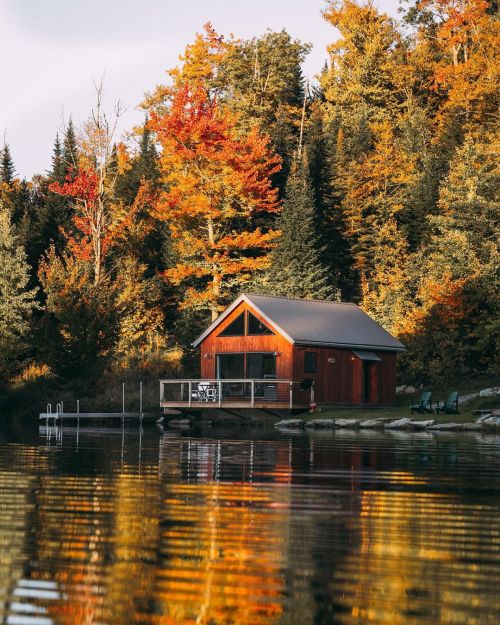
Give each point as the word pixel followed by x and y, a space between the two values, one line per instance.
pixel 127 527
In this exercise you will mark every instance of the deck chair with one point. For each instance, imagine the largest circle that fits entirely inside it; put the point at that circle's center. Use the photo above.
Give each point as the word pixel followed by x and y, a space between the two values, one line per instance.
pixel 424 405
pixel 450 406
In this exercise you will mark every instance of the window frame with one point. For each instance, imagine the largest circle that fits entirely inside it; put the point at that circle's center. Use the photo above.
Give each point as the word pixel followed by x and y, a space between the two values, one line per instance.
pixel 308 366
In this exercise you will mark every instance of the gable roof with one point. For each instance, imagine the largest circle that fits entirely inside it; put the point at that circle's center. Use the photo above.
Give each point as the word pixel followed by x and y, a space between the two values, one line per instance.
pixel 315 322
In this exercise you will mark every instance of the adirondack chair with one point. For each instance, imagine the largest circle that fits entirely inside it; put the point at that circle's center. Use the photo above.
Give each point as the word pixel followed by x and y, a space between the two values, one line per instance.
pixel 450 406
pixel 424 405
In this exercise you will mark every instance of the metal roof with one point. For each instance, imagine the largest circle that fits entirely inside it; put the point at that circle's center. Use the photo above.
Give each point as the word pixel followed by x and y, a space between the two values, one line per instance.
pixel 316 322
pixel 370 356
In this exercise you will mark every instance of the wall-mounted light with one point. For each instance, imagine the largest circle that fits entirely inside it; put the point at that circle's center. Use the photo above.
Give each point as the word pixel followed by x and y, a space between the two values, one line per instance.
pixel 332 361
pixel 278 354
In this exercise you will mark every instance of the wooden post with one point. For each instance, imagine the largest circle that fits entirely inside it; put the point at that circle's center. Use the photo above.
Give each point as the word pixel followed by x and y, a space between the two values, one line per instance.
pixel 140 396
pixel 291 395
pixel 220 392
pixel 252 392
pixel 190 391
pixel 312 393
pixel 123 397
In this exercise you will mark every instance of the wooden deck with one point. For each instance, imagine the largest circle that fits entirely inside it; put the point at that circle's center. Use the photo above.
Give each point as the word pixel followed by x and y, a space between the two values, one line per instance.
pixel 262 394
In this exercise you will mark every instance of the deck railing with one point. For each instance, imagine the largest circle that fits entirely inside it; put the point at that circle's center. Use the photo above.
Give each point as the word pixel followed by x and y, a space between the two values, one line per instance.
pixel 242 392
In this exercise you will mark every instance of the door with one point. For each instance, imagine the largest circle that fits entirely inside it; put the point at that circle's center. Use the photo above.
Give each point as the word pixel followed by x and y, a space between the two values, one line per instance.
pixel 369 382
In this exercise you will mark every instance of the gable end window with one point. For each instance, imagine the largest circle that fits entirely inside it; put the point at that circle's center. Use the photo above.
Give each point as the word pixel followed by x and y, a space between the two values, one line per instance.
pixel 256 327
pixel 236 327
pixel 309 362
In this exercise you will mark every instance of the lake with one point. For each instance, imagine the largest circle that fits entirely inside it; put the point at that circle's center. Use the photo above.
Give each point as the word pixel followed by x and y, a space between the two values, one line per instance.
pixel 252 527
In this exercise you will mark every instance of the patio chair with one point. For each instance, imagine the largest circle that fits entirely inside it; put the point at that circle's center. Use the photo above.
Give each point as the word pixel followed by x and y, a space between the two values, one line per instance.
pixel 424 405
pixel 450 406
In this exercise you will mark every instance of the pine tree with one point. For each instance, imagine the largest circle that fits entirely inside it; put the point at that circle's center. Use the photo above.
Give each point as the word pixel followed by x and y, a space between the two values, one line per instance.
pixel 70 148
pixel 7 168
pixel 59 169
pixel 297 269
pixel 16 298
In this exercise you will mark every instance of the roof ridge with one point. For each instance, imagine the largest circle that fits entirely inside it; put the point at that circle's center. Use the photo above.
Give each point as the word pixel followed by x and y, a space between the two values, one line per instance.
pixel 300 299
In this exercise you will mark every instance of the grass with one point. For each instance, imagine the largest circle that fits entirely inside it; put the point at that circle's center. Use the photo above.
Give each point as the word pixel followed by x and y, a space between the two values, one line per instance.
pixel 402 410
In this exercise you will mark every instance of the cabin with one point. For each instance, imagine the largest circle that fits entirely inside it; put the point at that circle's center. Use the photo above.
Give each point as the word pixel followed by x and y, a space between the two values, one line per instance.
pixel 273 352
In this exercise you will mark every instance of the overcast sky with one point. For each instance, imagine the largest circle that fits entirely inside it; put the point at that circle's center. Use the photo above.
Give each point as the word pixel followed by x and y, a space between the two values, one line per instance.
pixel 52 50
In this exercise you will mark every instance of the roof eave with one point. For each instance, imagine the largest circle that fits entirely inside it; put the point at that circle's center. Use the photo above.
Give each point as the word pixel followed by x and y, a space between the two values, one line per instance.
pixel 364 346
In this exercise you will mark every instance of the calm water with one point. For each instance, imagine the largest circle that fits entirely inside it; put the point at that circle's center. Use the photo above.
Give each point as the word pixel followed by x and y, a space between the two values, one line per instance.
pixel 249 528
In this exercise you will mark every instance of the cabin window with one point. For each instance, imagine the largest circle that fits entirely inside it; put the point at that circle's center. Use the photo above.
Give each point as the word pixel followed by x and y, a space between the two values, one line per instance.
pixel 261 366
pixel 256 327
pixel 230 366
pixel 236 327
pixel 309 362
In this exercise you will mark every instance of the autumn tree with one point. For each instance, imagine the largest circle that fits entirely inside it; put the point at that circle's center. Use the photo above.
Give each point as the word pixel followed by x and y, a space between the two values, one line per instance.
pixel 91 184
pixel 215 179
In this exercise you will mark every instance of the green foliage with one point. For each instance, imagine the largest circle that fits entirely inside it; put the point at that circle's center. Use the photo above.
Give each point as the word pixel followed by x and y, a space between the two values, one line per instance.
pixel 297 269
pixel 17 300
pixel 7 169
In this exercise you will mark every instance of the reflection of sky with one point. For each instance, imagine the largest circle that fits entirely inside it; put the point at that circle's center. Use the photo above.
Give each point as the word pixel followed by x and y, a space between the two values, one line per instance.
pixel 51 51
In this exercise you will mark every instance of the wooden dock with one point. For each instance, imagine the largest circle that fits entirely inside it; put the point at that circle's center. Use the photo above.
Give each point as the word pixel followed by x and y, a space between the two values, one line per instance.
pixel 100 417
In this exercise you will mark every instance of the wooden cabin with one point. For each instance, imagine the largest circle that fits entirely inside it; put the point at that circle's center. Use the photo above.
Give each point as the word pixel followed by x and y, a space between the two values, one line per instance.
pixel 266 351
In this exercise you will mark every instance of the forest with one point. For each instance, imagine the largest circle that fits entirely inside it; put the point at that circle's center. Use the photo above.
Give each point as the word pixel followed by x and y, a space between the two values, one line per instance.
pixel 378 183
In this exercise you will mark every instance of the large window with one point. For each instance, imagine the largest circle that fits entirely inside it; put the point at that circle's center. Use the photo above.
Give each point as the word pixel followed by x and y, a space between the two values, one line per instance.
pixel 309 362
pixel 256 327
pixel 246 323
pixel 261 366
pixel 230 366
pixel 236 327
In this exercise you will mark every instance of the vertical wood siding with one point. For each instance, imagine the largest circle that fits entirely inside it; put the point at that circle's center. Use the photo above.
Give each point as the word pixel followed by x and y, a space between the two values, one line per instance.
pixel 340 382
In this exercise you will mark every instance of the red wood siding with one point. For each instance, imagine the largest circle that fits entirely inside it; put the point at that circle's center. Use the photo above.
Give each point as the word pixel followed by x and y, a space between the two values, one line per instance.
pixel 215 344
pixel 340 382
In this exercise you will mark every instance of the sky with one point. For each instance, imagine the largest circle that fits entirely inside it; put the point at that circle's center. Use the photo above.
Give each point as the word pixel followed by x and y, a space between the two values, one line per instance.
pixel 52 52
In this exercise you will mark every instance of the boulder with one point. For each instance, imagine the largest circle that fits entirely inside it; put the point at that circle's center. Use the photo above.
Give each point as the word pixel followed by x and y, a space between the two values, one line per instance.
pixel 483 417
pixel 399 424
pixel 400 389
pixel 462 399
pixel 422 425
pixel 372 423
pixel 409 390
pixel 290 423
pixel 490 392
pixel 346 423
pixel 492 420
pixel 457 427
pixel 320 423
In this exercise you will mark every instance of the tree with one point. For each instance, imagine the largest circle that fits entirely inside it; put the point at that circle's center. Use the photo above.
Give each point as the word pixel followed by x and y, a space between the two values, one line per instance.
pixel 296 267
pixel 98 220
pixel 375 192
pixel 80 318
pixel 360 85
pixel 17 300
pixel 216 178
pixel 7 169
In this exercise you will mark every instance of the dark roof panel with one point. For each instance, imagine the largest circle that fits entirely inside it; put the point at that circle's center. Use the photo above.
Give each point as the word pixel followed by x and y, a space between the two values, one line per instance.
pixel 315 322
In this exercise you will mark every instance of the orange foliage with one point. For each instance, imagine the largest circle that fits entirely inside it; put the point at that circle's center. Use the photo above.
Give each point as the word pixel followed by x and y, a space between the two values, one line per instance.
pixel 216 180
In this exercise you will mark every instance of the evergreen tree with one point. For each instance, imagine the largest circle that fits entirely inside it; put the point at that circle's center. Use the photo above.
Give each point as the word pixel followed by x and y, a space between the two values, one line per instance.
pixel 59 169
pixel 297 269
pixel 7 169
pixel 70 148
pixel 16 298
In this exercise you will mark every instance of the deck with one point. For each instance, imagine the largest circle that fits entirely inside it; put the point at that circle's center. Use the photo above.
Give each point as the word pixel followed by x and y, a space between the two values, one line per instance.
pixel 263 394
